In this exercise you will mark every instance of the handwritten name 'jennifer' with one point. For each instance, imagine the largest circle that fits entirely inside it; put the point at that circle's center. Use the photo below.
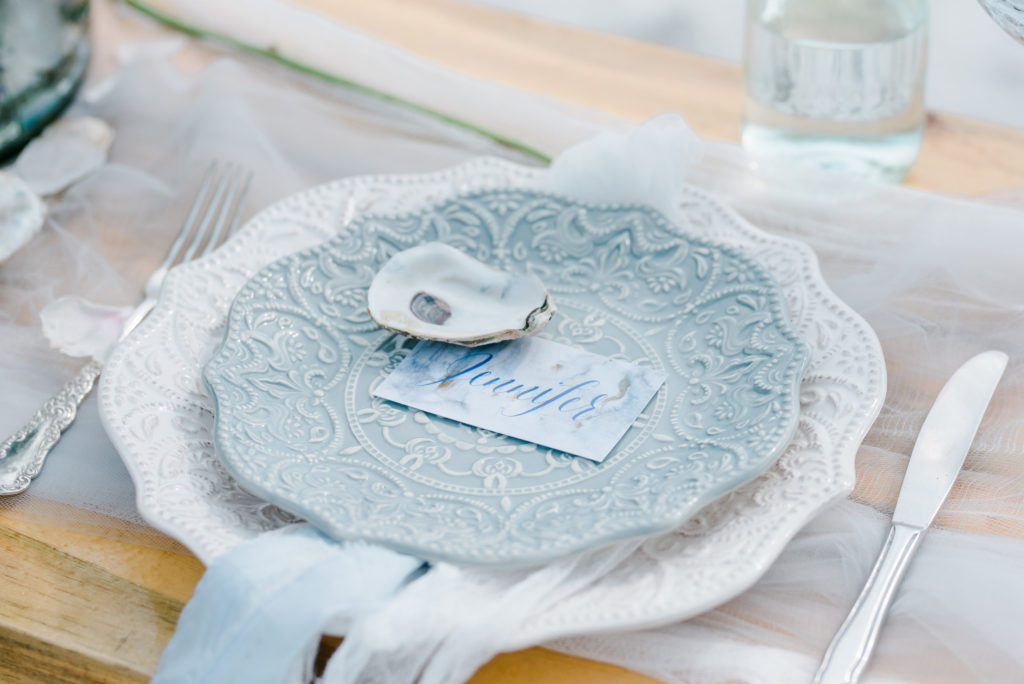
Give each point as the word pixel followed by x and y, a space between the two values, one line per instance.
pixel 578 401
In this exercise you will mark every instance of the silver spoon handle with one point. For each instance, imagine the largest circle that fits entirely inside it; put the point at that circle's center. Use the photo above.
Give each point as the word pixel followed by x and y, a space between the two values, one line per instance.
pixel 23 454
pixel 851 647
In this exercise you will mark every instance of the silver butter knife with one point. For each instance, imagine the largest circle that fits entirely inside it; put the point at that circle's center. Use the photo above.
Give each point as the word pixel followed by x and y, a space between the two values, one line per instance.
pixel 939 453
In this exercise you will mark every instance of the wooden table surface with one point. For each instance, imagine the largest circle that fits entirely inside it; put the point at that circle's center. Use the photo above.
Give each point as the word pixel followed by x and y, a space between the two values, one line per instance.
pixel 81 608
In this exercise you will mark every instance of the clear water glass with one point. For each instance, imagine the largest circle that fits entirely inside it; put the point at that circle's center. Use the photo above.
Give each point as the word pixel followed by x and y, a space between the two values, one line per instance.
pixel 44 51
pixel 836 84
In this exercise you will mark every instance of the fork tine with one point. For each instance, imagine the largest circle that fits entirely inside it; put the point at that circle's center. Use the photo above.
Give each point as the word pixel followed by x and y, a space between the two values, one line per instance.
pixel 186 227
pixel 238 208
pixel 222 218
pixel 211 211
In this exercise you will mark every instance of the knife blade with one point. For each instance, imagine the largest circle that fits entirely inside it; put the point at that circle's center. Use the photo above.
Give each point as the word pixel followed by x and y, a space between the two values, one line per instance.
pixel 936 460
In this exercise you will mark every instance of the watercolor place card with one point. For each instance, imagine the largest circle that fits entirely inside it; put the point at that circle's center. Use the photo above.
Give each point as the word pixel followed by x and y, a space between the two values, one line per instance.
pixel 530 388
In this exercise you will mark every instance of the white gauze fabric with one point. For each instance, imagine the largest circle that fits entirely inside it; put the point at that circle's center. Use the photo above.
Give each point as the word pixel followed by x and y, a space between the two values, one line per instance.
pixel 442 627
pixel 311 39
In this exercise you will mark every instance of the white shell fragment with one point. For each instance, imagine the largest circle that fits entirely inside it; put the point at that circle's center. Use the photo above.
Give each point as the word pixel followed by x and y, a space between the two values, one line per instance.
pixel 66 151
pixel 97 131
pixel 78 327
pixel 437 292
pixel 22 214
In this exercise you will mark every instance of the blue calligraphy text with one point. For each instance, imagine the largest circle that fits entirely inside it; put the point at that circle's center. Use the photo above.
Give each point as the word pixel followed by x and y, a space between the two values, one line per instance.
pixel 572 398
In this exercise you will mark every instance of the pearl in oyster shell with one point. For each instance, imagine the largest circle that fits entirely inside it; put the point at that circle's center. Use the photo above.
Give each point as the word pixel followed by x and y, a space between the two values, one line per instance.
pixel 436 292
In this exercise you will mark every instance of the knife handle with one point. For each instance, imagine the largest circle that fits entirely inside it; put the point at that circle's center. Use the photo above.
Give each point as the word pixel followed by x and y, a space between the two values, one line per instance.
pixel 851 647
pixel 22 455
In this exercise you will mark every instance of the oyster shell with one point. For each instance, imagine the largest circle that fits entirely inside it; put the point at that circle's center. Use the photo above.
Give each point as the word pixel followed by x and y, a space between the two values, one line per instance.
pixel 22 214
pixel 96 131
pixel 437 292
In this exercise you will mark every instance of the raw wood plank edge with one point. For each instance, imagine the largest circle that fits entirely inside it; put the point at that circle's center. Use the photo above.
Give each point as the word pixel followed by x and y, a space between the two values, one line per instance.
pixel 26 659
pixel 65 619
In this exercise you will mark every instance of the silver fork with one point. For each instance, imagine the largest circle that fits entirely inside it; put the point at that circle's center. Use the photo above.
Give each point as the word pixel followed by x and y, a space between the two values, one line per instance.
pixel 208 224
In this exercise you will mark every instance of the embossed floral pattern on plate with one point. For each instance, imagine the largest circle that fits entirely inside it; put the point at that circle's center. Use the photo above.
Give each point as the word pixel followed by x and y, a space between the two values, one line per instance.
pixel 297 422
pixel 157 411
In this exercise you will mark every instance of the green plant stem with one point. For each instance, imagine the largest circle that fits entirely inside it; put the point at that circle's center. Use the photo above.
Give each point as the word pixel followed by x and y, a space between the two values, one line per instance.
pixel 302 67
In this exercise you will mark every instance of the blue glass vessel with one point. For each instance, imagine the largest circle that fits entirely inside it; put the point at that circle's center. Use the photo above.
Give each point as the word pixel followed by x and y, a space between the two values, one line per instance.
pixel 44 51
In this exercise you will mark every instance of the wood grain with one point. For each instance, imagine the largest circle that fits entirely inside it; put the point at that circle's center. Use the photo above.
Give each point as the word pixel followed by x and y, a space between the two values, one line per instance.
pixel 172 573
pixel 543 666
pixel 64 619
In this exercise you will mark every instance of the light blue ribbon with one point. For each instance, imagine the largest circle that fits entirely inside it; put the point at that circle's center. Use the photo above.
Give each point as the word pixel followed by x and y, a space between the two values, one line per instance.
pixel 259 611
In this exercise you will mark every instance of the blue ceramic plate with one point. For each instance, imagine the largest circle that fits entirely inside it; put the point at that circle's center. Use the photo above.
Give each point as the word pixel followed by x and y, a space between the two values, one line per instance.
pixel 296 422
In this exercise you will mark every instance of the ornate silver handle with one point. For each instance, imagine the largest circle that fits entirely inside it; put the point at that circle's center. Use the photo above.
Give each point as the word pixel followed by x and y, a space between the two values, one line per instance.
pixel 23 454
pixel 851 647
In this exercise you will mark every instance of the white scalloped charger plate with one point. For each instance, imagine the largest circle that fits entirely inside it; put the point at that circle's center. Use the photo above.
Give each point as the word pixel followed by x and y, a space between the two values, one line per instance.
pixel 160 417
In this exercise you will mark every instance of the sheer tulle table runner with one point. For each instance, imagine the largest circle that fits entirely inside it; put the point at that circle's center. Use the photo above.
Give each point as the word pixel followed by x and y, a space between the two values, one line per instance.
pixel 936 278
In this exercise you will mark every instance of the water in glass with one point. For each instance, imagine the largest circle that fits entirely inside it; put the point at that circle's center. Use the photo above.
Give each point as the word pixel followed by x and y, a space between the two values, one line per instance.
pixel 836 83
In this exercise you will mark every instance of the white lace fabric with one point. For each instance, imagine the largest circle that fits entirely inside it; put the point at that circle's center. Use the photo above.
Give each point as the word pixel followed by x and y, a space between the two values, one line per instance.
pixel 937 278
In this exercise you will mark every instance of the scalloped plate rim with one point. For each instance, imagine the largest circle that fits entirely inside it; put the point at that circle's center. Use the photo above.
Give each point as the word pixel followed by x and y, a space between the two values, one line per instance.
pixel 209 543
